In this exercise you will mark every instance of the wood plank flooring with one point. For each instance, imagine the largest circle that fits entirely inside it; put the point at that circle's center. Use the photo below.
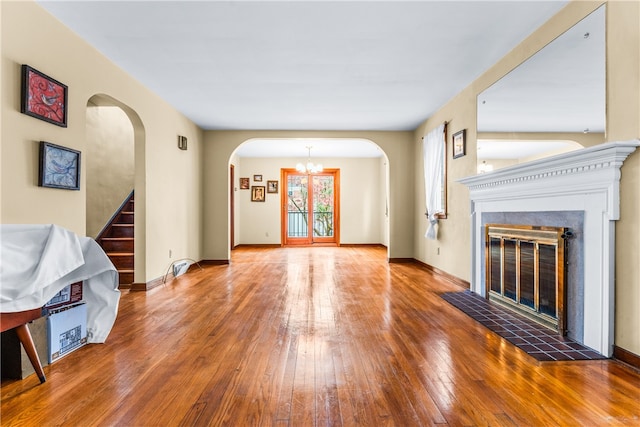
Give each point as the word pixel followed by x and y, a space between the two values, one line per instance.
pixel 313 337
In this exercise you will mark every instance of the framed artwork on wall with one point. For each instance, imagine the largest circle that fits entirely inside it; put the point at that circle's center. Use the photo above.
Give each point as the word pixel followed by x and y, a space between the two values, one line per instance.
pixel 244 183
pixel 272 187
pixel 43 97
pixel 257 193
pixel 460 143
pixel 59 167
pixel 257 178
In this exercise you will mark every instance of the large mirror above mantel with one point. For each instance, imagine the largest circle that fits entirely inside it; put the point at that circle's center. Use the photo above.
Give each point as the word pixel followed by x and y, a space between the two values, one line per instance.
pixel 551 104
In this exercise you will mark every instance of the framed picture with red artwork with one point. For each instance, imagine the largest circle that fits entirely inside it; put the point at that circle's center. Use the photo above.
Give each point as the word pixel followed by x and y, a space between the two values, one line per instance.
pixel 43 97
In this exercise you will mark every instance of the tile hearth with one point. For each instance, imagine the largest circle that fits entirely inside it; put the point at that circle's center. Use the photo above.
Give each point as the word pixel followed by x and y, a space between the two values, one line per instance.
pixel 537 341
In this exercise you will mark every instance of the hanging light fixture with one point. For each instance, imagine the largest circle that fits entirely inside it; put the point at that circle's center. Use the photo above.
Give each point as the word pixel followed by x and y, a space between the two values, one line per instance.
pixel 309 167
pixel 485 167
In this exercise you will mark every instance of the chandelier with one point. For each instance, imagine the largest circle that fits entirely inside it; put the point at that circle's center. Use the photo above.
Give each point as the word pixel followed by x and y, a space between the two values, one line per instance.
pixel 485 167
pixel 309 167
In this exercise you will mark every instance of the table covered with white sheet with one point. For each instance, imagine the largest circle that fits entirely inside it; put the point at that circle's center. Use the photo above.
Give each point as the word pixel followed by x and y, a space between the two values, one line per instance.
pixel 37 261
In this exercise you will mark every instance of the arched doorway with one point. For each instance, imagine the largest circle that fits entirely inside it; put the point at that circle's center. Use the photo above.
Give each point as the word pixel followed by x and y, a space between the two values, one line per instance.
pixel 364 188
pixel 114 162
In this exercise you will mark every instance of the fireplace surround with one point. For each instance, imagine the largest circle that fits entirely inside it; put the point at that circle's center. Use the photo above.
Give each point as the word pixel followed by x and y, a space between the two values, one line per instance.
pixel 586 182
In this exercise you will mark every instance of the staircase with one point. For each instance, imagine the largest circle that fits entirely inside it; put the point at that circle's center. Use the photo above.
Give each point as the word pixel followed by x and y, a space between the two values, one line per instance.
pixel 117 241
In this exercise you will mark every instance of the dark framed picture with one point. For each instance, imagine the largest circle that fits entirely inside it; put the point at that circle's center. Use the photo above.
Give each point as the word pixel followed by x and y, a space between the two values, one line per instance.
pixel 244 183
pixel 257 178
pixel 59 167
pixel 182 142
pixel 272 187
pixel 43 97
pixel 257 193
pixel 460 144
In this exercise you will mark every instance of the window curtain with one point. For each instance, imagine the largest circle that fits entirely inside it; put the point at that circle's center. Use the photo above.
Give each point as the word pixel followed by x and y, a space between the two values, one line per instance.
pixel 433 146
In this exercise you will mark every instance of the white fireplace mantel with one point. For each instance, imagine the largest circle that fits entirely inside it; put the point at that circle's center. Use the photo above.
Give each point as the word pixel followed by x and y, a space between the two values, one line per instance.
pixel 586 180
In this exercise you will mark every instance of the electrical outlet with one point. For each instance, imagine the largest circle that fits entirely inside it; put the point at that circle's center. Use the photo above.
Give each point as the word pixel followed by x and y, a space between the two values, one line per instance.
pixel 170 253
pixel 266 234
pixel 438 251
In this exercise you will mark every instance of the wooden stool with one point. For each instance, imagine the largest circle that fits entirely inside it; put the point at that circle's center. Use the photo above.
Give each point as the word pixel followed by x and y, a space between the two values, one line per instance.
pixel 19 320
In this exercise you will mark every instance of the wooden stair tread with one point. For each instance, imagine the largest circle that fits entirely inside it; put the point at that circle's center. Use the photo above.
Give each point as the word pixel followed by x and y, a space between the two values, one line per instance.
pixel 117 240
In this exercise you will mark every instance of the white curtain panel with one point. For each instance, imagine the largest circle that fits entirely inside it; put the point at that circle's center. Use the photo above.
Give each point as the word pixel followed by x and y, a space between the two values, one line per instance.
pixel 433 152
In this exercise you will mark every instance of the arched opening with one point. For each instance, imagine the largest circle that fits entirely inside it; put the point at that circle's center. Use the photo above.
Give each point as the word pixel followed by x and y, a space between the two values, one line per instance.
pixel 364 187
pixel 114 162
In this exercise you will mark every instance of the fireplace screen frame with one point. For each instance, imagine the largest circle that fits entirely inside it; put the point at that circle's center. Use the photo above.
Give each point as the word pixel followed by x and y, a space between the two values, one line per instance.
pixel 508 291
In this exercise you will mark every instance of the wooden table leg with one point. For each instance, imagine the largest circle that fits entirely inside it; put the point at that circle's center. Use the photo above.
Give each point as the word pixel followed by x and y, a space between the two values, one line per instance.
pixel 27 342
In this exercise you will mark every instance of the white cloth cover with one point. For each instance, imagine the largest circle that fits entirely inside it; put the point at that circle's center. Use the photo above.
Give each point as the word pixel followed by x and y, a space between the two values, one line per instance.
pixel 37 261
pixel 433 145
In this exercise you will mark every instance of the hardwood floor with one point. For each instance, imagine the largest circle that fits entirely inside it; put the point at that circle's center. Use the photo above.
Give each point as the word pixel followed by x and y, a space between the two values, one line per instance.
pixel 313 336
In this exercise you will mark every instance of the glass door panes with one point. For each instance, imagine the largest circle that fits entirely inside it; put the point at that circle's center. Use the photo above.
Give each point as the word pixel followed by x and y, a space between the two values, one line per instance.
pixel 548 280
pixel 496 265
pixel 528 274
pixel 509 270
pixel 323 203
pixel 310 209
pixel 297 212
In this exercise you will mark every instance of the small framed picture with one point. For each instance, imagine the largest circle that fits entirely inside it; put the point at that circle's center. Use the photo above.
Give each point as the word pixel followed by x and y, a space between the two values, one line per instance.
pixel 59 167
pixel 272 187
pixel 257 193
pixel 244 183
pixel 43 97
pixel 257 178
pixel 460 144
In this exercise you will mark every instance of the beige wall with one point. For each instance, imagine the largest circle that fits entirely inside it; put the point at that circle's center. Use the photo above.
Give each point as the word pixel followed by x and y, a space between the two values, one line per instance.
pixel 168 181
pixel 218 150
pixel 362 208
pixel 623 123
pixel 109 161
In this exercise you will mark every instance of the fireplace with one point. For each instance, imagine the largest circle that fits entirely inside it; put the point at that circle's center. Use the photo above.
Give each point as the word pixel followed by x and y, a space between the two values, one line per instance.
pixel 583 183
pixel 525 271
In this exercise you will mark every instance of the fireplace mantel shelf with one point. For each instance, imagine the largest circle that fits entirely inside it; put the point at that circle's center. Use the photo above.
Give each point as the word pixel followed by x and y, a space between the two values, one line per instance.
pixel 595 168
pixel 603 156
pixel 586 180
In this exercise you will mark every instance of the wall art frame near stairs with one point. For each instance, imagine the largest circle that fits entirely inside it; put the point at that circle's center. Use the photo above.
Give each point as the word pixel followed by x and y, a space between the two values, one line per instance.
pixel 117 241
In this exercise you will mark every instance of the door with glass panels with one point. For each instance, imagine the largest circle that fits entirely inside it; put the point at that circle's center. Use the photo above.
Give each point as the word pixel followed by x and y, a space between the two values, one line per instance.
pixel 310 211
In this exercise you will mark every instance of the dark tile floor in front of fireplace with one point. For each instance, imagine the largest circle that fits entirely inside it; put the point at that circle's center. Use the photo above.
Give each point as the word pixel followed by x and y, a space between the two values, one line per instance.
pixel 539 342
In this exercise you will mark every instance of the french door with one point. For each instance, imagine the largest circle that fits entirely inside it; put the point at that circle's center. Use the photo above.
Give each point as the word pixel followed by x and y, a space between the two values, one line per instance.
pixel 310 207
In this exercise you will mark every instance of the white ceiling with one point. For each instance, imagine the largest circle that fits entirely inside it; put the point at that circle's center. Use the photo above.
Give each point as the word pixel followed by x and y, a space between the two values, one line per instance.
pixel 304 65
